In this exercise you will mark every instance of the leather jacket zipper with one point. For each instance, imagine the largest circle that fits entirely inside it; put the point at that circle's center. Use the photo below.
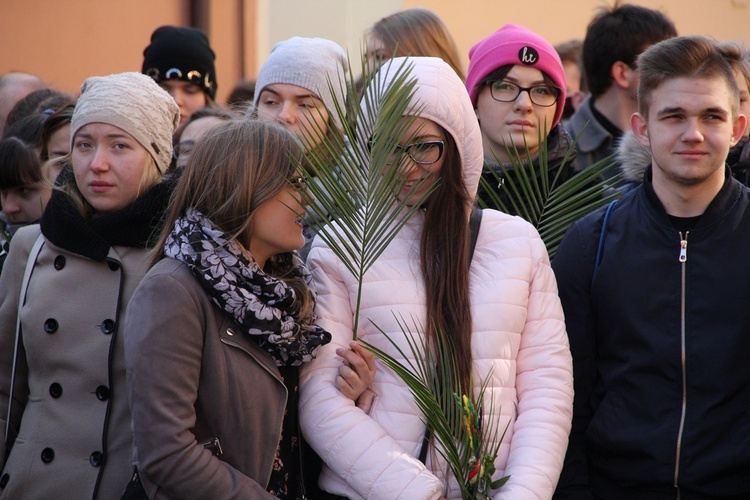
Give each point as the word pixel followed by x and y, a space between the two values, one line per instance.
pixel 683 265
pixel 264 367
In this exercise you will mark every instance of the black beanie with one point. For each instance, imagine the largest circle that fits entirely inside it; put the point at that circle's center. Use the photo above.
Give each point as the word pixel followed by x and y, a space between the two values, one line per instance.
pixel 180 53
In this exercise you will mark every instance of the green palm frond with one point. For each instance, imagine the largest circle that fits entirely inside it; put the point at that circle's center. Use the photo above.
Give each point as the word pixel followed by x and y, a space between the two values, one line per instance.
pixel 357 214
pixel 542 198
pixel 353 197
pixel 434 381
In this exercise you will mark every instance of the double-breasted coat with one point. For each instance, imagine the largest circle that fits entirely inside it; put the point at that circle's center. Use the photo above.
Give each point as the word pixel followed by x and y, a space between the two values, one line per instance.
pixel 71 410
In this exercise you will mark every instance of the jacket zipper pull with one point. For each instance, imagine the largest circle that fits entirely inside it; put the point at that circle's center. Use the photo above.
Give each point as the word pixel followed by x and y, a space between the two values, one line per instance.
pixel 683 247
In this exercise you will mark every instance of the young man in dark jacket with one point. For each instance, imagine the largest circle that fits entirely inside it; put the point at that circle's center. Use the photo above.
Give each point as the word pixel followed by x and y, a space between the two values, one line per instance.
pixel 656 300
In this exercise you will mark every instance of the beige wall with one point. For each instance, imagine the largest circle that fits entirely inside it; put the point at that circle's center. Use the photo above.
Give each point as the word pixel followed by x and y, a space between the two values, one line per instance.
pixel 64 41
pixel 558 20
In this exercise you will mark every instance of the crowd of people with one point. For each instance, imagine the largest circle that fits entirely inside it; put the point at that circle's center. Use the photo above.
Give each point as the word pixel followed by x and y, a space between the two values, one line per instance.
pixel 173 323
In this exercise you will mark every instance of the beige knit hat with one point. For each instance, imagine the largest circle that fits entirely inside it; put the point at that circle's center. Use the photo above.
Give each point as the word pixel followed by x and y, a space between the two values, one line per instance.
pixel 134 103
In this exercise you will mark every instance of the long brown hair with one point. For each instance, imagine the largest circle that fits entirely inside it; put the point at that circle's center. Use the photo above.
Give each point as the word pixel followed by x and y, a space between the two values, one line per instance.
pixel 444 255
pixel 236 167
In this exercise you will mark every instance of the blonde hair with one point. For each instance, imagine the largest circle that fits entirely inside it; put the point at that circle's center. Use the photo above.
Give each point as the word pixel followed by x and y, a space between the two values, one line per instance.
pixel 418 32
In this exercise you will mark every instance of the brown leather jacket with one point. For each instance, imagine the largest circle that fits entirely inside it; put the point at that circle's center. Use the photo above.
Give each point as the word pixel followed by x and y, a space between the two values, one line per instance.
pixel 193 378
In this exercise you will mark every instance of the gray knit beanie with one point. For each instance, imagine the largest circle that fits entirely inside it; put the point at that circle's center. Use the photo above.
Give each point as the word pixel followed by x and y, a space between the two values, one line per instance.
pixel 310 63
pixel 135 103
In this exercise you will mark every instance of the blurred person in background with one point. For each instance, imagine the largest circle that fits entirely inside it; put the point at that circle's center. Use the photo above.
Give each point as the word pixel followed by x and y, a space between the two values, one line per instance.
pixel 242 95
pixel 14 87
pixel 181 61
pixel 187 134
pixel 56 139
pixel 412 32
pixel 614 38
pixel 571 55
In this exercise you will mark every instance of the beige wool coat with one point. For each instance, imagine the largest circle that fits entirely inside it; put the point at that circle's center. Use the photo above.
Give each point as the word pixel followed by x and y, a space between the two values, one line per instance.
pixel 195 378
pixel 71 404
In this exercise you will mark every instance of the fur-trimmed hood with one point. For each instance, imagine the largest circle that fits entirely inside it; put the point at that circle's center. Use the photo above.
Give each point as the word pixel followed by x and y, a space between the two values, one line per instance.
pixel 633 156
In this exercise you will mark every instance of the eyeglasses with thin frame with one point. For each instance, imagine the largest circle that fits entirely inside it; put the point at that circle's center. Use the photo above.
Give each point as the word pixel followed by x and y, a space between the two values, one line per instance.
pixel 541 95
pixel 422 153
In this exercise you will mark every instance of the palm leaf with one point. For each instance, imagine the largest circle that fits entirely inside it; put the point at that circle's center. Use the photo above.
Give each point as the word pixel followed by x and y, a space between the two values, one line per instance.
pixel 550 205
pixel 360 215
pixel 434 381
pixel 353 200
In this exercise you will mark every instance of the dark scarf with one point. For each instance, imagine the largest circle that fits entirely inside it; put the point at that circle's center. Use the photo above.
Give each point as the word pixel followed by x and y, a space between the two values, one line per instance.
pixel 260 304
pixel 136 225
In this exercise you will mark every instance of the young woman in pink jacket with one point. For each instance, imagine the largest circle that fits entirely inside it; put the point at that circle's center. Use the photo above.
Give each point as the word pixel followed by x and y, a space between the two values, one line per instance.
pixel 499 307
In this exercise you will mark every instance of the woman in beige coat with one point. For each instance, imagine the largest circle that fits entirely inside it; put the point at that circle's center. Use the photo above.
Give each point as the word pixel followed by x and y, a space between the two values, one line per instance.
pixel 75 272
pixel 218 328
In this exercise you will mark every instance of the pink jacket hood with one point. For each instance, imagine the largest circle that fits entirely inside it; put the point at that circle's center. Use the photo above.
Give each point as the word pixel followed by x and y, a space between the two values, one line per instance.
pixel 440 96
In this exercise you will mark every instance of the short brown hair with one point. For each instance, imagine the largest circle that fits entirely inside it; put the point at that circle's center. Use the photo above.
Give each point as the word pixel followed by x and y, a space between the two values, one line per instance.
pixel 683 57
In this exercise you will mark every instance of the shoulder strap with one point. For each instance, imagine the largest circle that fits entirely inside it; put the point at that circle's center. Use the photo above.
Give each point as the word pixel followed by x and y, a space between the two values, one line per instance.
pixel 22 298
pixel 474 222
pixel 602 238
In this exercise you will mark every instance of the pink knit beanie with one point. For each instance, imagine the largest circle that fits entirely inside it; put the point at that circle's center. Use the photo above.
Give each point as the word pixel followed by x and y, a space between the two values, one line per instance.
pixel 513 44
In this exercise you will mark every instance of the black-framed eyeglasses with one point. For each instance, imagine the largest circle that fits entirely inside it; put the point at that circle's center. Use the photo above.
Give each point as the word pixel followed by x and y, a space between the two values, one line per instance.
pixel 421 153
pixel 541 95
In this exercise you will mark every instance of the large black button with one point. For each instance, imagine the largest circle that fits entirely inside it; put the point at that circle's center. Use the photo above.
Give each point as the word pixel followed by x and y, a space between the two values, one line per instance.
pixel 59 262
pixel 55 390
pixel 108 326
pixel 50 326
pixel 113 266
pixel 48 455
pixel 4 480
pixel 97 459
pixel 102 393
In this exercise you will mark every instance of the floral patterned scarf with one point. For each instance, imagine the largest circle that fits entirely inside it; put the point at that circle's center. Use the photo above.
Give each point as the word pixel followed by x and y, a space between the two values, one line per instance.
pixel 259 303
